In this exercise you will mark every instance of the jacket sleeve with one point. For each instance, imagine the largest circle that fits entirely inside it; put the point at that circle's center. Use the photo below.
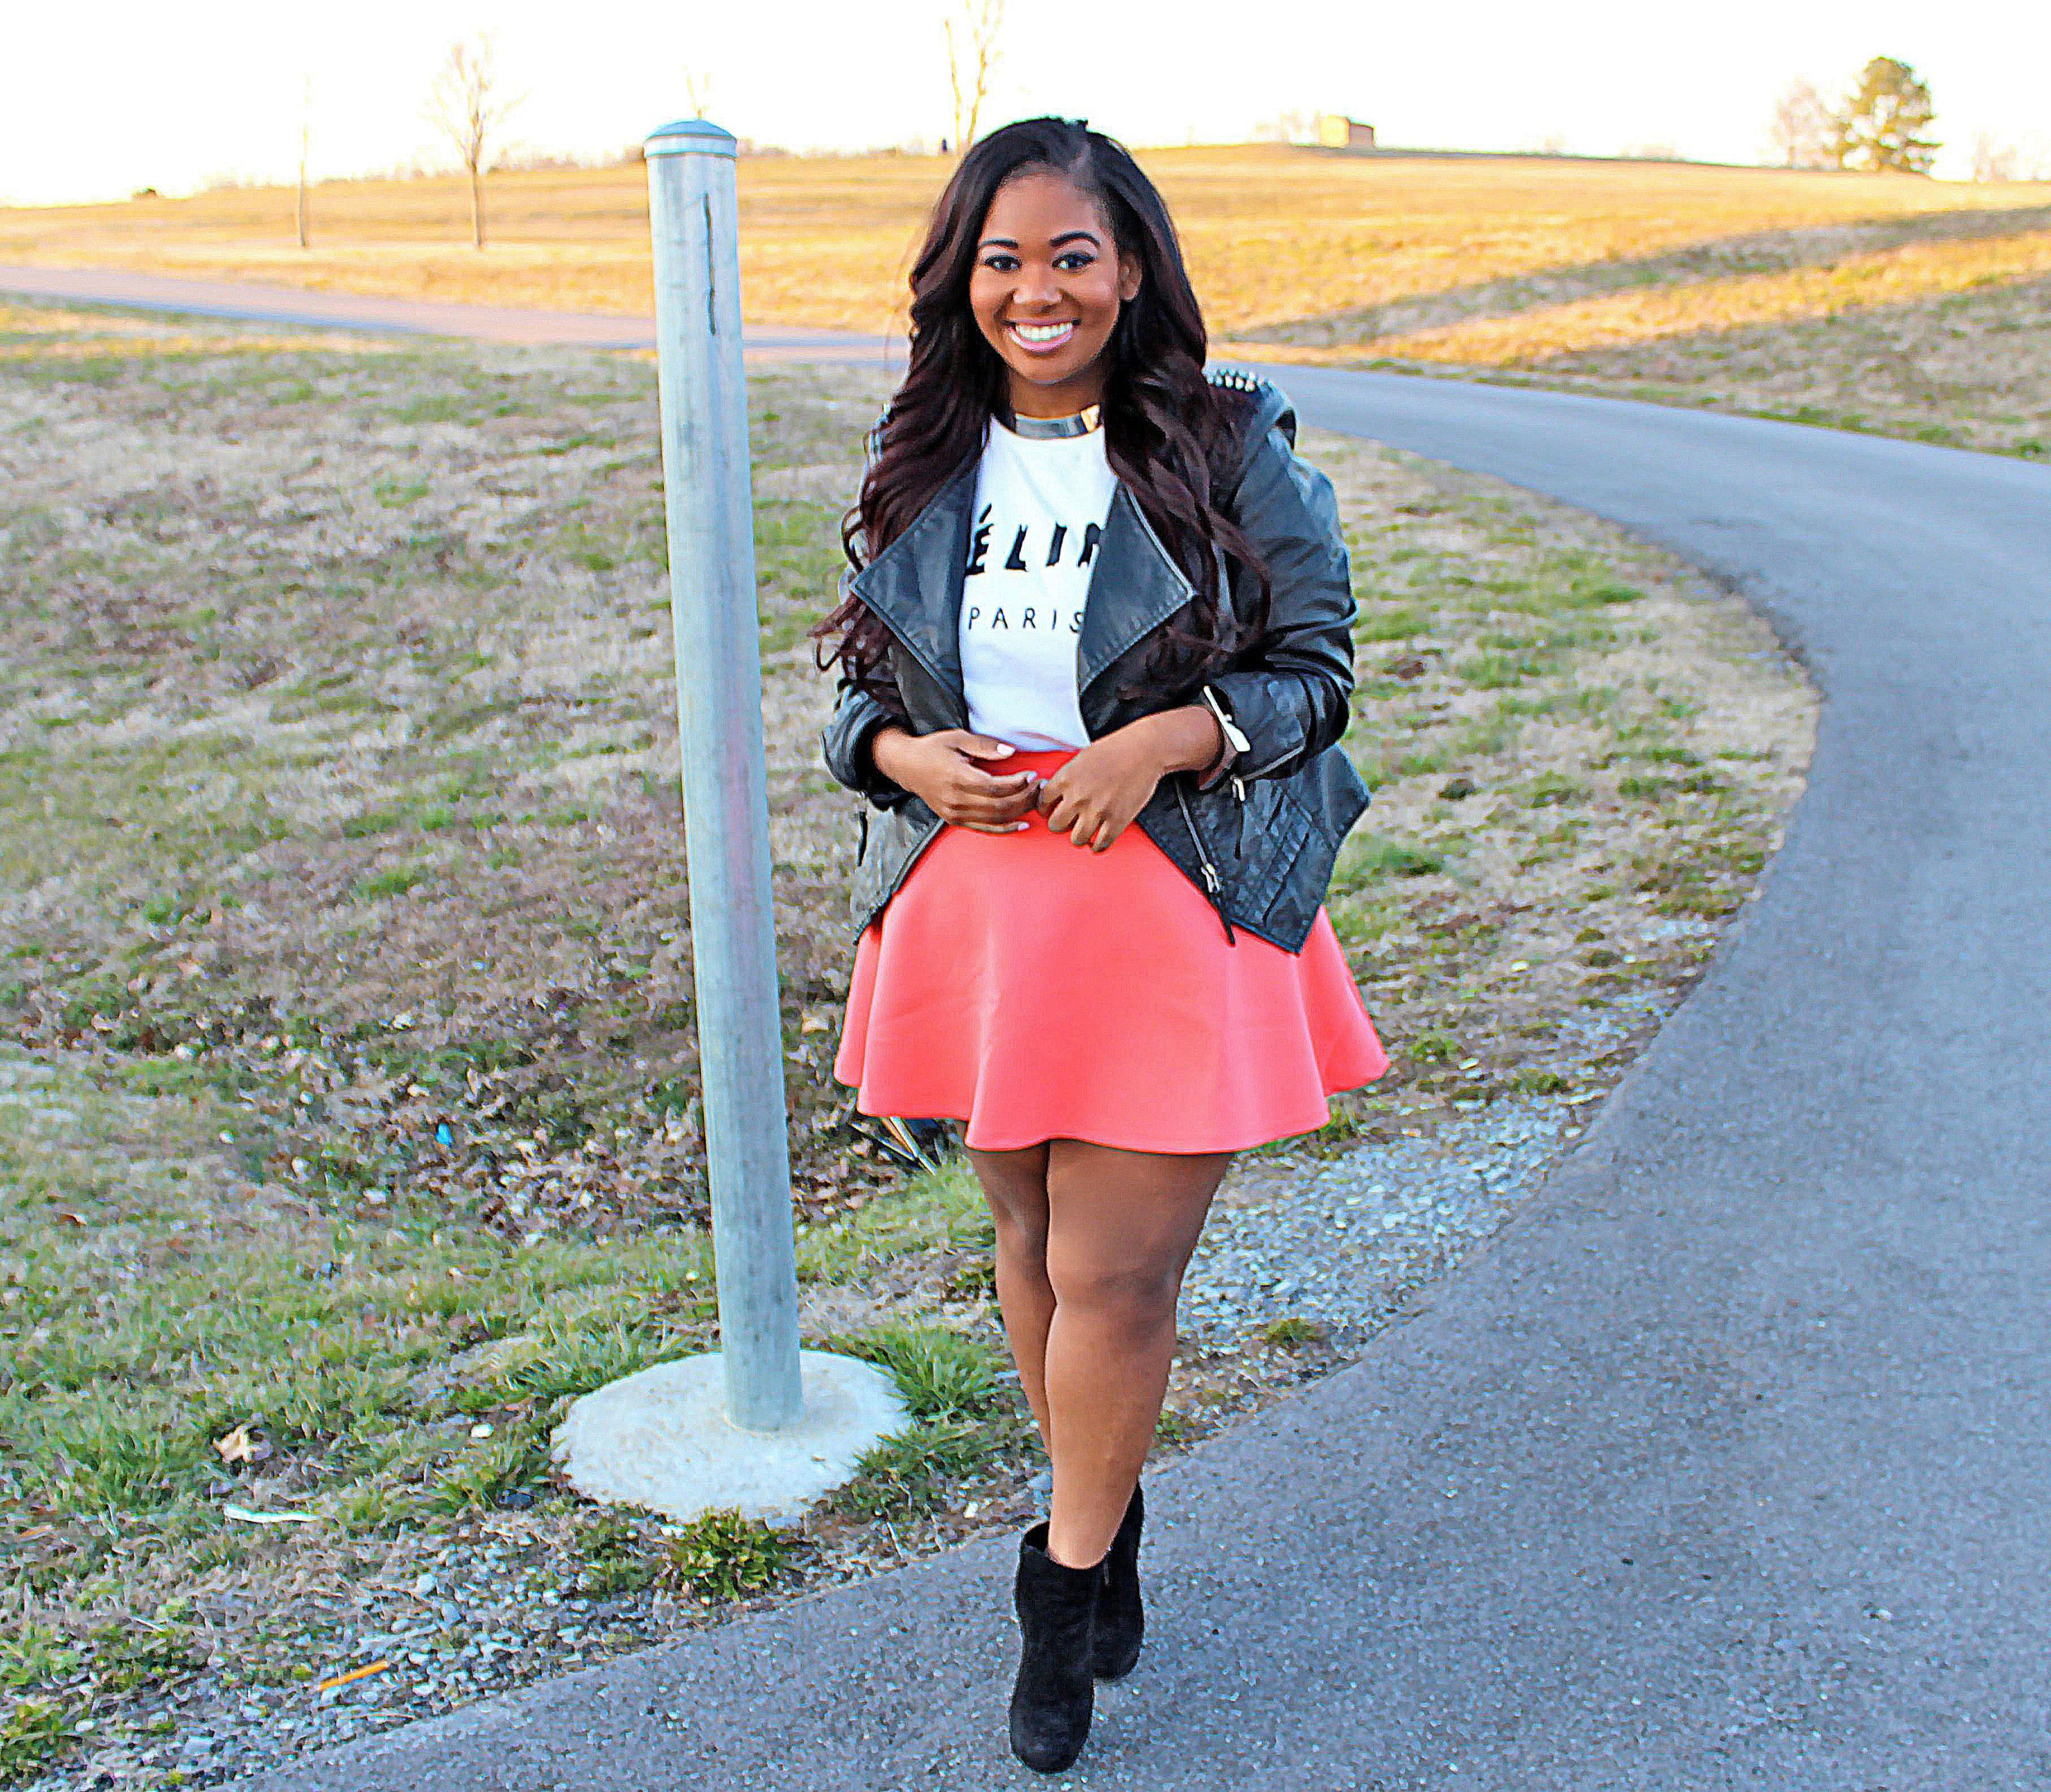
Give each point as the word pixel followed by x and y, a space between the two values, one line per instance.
pixel 856 716
pixel 1291 694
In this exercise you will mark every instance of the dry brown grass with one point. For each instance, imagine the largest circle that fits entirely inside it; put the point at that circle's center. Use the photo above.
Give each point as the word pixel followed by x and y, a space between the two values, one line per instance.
pixel 1972 370
pixel 1275 235
pixel 1798 295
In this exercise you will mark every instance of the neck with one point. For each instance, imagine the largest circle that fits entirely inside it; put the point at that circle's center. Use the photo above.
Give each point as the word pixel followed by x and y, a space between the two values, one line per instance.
pixel 1063 399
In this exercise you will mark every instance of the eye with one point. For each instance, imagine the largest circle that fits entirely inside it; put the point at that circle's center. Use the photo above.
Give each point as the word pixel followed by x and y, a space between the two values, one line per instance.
pixel 999 263
pixel 1073 260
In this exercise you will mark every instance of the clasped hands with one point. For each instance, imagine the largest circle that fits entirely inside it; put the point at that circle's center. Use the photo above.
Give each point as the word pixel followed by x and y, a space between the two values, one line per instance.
pixel 1092 798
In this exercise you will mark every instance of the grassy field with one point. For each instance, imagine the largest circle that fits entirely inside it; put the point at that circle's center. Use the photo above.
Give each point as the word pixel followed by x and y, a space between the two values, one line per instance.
pixel 1889 302
pixel 348 1123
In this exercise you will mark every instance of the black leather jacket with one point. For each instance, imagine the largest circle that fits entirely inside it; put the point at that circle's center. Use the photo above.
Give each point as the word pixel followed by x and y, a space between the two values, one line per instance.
pixel 1259 843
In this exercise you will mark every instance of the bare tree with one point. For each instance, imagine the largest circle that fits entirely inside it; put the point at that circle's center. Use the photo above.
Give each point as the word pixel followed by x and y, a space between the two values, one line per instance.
pixel 466 103
pixel 1994 160
pixel 972 31
pixel 1804 130
pixel 305 149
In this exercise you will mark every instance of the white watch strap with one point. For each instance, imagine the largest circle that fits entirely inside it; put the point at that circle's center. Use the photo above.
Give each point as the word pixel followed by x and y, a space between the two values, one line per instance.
pixel 1235 734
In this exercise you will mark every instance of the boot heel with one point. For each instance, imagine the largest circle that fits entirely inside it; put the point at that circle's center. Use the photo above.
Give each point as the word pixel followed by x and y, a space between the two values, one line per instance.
pixel 1054 1698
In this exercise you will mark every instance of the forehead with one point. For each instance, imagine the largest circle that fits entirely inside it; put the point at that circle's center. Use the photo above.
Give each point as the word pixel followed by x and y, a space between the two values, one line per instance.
pixel 1038 204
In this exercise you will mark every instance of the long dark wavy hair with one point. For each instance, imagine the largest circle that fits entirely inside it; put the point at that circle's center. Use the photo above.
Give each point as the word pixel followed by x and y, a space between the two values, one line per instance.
pixel 1170 436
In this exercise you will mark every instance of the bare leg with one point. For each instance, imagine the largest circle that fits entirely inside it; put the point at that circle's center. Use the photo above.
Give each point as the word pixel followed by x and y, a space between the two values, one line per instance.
pixel 1015 1185
pixel 1120 1228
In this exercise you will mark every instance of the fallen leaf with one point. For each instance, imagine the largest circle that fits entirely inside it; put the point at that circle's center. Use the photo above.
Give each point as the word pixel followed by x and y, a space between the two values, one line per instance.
pixel 241 1445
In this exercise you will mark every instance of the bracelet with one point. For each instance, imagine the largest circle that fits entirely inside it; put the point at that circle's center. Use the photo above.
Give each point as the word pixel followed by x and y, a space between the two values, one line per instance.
pixel 1236 741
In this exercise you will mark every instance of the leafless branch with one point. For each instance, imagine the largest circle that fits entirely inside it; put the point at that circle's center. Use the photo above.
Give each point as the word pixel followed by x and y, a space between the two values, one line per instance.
pixel 1804 129
pixel 972 31
pixel 465 103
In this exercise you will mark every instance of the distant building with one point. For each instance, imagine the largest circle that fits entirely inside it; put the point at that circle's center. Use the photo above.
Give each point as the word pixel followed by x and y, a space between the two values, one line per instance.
pixel 1336 131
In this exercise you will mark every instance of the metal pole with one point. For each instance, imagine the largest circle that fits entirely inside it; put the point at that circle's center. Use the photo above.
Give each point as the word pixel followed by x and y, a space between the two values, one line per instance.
pixel 695 217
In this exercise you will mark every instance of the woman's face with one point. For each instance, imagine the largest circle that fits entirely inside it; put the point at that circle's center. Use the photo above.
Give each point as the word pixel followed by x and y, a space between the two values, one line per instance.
pixel 1046 290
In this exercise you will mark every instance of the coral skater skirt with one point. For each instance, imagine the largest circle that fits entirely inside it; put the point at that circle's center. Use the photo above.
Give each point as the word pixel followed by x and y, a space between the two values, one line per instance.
pixel 1035 989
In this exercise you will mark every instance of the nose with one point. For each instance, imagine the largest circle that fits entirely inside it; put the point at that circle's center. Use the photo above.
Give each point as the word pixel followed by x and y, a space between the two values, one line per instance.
pixel 1036 288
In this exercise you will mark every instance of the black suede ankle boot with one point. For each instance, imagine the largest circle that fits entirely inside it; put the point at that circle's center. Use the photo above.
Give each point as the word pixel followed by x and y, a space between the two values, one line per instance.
pixel 1121 1620
pixel 1052 1703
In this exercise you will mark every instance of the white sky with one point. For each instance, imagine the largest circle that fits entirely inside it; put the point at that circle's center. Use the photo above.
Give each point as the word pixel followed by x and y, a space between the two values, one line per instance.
pixel 96 100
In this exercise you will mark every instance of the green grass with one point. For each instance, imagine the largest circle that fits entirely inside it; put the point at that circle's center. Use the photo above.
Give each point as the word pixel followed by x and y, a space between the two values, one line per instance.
pixel 1291 1333
pixel 1368 858
pixel 935 1210
pixel 941 1374
pixel 912 1472
pixel 333 1334
pixel 35 1734
pixel 724 1555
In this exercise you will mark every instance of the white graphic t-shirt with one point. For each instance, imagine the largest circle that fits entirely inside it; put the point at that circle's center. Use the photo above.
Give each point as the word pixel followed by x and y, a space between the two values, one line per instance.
pixel 1040 508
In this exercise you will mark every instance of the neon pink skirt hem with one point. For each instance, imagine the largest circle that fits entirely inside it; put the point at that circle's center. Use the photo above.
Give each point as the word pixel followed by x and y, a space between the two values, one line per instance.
pixel 1034 990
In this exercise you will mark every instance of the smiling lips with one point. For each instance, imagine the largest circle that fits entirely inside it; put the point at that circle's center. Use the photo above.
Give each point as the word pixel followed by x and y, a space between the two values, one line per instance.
pixel 1041 338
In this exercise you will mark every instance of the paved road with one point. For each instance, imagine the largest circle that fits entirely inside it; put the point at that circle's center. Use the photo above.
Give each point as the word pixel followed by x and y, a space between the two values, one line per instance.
pixel 250 302
pixel 1728 1465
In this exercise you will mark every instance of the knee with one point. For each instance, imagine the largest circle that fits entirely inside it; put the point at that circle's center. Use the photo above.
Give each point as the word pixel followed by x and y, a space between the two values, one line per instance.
pixel 1137 1297
pixel 1022 1230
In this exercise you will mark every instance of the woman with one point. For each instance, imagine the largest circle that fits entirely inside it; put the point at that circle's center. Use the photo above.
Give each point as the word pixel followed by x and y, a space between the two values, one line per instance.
pixel 1095 660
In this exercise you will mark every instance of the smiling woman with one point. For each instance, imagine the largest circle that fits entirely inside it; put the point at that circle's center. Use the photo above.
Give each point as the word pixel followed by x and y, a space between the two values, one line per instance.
pixel 1097 602
pixel 1047 292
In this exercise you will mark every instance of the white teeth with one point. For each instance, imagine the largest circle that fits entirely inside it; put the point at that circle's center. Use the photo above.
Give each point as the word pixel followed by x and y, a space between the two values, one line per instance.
pixel 1042 332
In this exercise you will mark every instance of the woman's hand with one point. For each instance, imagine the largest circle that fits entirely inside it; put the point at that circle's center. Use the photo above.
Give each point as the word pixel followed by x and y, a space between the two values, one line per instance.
pixel 941 769
pixel 1094 797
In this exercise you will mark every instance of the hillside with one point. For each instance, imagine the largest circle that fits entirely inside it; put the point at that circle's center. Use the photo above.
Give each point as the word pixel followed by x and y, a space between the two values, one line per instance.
pixel 1701 284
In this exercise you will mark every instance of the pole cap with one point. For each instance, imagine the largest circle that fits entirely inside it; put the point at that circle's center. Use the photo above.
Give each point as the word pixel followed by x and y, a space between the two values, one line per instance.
pixel 689 137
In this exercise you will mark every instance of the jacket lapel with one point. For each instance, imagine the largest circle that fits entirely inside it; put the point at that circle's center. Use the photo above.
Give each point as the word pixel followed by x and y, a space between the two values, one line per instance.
pixel 915 584
pixel 1134 586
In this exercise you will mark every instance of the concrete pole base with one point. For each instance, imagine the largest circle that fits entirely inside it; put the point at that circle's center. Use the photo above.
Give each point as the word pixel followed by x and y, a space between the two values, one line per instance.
pixel 661 1438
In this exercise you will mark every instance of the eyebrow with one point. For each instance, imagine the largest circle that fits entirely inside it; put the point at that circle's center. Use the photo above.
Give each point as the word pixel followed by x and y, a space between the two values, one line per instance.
pixel 1089 236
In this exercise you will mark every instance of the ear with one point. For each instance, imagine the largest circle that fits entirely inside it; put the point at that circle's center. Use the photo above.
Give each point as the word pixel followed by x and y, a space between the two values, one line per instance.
pixel 1128 279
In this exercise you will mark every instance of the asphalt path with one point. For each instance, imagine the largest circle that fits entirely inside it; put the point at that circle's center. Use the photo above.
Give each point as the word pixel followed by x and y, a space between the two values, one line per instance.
pixel 301 307
pixel 1729 1463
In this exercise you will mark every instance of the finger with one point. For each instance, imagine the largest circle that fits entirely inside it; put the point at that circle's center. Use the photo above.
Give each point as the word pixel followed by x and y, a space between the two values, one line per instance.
pixel 992 806
pixel 981 746
pixel 1010 809
pixel 978 782
pixel 979 810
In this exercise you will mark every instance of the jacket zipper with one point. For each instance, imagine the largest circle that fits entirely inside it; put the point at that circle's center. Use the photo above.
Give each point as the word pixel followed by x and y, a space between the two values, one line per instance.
pixel 1213 886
